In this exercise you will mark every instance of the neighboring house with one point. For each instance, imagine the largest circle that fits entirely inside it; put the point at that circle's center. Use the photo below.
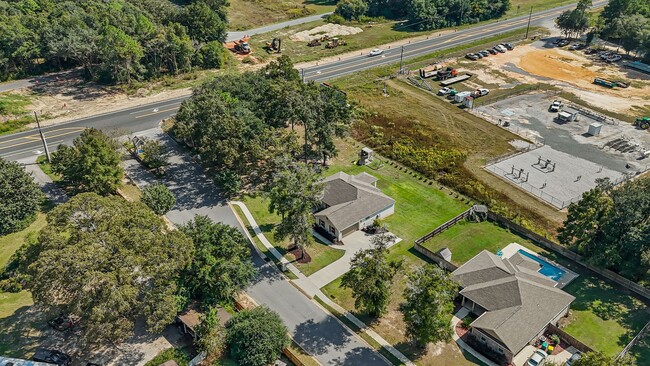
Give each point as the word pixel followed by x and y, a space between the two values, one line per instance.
pixel 514 303
pixel 191 317
pixel 351 203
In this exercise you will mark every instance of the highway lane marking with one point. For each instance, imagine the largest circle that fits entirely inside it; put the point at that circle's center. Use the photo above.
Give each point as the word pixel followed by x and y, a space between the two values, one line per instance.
pixel 155 109
pixel 32 138
pixel 158 112
pixel 435 47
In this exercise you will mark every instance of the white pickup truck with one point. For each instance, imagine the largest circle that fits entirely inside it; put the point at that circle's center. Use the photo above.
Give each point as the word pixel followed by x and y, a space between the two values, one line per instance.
pixel 556 106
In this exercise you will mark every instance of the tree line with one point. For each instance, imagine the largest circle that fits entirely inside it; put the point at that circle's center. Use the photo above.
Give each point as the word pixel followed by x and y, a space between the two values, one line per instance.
pixel 425 14
pixel 624 22
pixel 114 41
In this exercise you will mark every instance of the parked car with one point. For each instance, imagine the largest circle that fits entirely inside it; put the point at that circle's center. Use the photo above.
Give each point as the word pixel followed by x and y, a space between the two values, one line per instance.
pixel 446 90
pixel 574 357
pixel 590 51
pixel 484 53
pixel 52 356
pixel 481 92
pixel 500 48
pixel 556 106
pixel 537 359
pixel 492 51
pixel 478 55
pixel 471 56
pixel 563 42
pixel 508 46
pixel 63 322
pixel 614 58
pixel 376 52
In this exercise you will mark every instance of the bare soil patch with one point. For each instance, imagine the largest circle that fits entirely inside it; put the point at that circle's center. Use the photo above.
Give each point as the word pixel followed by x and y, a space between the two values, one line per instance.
pixel 329 29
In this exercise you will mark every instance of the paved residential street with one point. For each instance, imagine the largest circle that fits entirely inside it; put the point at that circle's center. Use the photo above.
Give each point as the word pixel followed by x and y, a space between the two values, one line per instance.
pixel 317 332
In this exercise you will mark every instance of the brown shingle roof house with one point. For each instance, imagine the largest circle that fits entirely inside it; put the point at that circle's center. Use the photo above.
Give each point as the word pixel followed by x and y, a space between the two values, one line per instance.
pixel 514 303
pixel 350 203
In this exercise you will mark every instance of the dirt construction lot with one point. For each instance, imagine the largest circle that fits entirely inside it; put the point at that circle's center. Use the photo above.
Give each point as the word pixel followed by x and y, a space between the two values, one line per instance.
pixel 571 71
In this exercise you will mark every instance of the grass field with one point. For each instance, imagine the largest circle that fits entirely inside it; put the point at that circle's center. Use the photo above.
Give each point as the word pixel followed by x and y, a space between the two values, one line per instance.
pixel 248 14
pixel 467 239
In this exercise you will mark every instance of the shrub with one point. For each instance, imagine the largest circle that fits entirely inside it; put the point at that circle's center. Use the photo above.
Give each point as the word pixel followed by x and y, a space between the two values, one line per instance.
pixel 335 19
pixel 256 337
pixel 10 285
pixel 159 198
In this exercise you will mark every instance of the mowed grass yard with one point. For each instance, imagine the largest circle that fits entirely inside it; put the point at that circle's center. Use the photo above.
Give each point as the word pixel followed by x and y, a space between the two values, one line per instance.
pixel 18 323
pixel 321 254
pixel 248 14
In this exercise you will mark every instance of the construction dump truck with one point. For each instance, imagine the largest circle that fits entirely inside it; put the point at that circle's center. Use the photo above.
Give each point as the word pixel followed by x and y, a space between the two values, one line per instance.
pixel 241 46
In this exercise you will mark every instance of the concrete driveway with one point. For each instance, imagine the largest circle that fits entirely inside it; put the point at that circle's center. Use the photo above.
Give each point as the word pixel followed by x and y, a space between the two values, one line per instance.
pixel 352 243
pixel 317 332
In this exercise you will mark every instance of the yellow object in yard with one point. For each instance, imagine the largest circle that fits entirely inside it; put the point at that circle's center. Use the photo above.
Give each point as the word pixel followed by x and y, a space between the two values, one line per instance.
pixel 550 349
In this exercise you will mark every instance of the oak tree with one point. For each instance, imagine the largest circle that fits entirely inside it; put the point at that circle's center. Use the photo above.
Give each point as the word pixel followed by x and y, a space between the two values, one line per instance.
pixel 20 197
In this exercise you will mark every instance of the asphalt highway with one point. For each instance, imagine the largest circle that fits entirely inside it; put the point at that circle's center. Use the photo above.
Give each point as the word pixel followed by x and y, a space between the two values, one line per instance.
pixel 27 144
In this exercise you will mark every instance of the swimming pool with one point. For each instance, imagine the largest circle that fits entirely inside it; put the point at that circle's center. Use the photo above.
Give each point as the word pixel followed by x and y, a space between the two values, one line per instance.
pixel 547 269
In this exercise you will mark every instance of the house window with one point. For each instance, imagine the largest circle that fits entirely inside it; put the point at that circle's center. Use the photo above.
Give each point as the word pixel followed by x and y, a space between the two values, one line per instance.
pixel 332 230
pixel 321 222
pixel 500 350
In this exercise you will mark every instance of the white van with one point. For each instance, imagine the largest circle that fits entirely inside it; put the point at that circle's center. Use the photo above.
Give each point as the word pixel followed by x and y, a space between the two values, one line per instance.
pixel 459 97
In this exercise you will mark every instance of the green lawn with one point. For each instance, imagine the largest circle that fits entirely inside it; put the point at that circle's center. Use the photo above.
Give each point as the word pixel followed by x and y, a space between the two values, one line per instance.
pixel 47 168
pixel 321 254
pixel 247 14
pixel 467 239
pixel 10 243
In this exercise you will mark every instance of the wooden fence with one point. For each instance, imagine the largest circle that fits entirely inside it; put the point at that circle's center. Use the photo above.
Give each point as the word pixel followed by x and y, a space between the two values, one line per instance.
pixel 552 329
pixel 545 243
pixel 446 225
pixel 435 257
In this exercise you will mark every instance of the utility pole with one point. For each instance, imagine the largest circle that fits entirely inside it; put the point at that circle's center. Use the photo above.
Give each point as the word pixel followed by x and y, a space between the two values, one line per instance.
pixel 302 73
pixel 530 16
pixel 47 151
pixel 401 61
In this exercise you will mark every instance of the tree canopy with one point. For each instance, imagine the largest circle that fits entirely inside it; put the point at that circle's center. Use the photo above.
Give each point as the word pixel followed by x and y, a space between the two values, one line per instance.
pixel 110 262
pixel 221 263
pixel 610 227
pixel 426 14
pixel 113 40
pixel 600 359
pixel 256 337
pixel 158 198
pixel 20 197
pixel 428 304
pixel 627 22
pixel 371 275
pixel 92 164
pixel 238 123
pixel 211 335
pixel 573 23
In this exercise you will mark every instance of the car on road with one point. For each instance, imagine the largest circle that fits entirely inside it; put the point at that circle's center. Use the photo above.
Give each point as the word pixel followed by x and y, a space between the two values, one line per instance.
pixel 375 52
pixel 574 357
pixel 537 359
pixel 471 56
pixel 52 356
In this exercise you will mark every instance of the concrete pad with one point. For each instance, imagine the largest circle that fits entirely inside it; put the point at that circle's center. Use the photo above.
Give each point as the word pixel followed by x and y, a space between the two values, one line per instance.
pixel 512 248
pixel 358 240
pixel 560 182
pixel 563 356
pixel 523 356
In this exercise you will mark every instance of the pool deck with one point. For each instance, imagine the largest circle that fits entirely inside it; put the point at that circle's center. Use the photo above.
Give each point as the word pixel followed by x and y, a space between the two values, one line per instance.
pixel 512 248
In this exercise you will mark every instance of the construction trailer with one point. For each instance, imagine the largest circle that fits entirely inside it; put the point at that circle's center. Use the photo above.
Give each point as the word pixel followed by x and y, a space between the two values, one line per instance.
pixel 604 82
pixel 431 70
pixel 459 97
pixel 455 80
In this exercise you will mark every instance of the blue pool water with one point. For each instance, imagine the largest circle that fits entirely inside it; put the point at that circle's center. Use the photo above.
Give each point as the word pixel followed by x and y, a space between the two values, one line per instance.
pixel 547 269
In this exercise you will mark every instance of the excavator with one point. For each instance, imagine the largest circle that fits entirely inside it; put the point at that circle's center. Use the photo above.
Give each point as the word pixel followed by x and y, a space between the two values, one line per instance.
pixel 274 46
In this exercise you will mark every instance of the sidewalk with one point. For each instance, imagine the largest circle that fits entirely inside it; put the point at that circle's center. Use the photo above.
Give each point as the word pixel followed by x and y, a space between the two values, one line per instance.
pixel 305 285
pixel 53 192
pixel 463 312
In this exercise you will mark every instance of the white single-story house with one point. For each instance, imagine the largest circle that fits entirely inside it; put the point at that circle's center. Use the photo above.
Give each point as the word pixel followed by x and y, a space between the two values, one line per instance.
pixel 351 203
pixel 513 301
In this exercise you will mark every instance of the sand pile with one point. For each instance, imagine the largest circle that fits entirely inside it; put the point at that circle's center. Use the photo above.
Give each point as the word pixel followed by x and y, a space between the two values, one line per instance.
pixel 329 29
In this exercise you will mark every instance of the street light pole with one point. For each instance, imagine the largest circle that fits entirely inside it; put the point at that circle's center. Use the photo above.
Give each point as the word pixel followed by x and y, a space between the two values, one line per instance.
pixel 47 151
pixel 530 16
pixel 401 61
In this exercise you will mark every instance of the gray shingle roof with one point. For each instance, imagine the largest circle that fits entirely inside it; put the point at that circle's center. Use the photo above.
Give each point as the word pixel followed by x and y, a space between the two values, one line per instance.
pixel 351 199
pixel 519 302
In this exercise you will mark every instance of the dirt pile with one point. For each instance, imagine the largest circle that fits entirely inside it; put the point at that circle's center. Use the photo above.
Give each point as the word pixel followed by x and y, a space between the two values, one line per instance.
pixel 330 29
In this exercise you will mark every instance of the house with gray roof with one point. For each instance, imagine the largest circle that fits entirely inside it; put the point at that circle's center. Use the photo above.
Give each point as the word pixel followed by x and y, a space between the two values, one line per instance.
pixel 351 203
pixel 514 303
